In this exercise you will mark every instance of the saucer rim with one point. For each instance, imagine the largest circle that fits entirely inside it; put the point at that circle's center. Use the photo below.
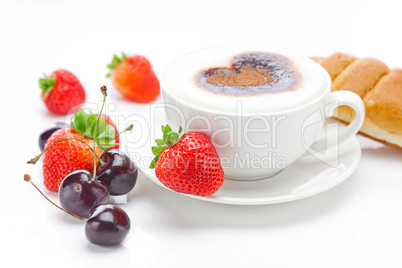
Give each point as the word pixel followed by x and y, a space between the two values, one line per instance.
pixel 270 200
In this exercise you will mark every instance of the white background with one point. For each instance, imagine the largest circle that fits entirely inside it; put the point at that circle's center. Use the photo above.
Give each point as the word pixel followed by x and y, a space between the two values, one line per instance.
pixel 355 224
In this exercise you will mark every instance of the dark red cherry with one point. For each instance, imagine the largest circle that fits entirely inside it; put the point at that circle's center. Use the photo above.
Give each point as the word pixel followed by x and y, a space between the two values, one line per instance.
pixel 118 174
pixel 79 192
pixel 107 225
pixel 48 132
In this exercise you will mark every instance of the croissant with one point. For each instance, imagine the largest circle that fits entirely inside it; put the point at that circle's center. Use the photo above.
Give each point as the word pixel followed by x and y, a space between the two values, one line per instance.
pixel 378 86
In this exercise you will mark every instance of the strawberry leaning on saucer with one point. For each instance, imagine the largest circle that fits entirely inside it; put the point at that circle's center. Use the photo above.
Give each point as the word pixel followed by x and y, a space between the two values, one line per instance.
pixel 62 92
pixel 134 78
pixel 70 149
pixel 187 164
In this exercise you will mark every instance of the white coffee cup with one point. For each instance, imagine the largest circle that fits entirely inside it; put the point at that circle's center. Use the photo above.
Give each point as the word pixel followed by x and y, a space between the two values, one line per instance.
pixel 257 135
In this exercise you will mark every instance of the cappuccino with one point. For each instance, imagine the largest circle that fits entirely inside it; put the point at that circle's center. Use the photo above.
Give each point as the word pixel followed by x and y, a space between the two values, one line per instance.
pixel 263 82
pixel 261 109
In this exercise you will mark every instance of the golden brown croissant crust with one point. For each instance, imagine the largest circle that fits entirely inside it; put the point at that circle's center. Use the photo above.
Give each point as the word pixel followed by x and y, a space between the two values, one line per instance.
pixel 378 86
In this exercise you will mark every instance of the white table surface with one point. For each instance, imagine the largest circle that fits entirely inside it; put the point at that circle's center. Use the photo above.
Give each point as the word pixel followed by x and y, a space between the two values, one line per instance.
pixel 356 224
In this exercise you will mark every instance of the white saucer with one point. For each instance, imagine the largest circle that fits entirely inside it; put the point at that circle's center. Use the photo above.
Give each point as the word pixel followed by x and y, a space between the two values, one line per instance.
pixel 308 176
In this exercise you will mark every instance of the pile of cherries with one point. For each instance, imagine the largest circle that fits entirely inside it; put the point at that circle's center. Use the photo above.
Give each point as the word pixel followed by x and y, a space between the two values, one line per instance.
pixel 85 197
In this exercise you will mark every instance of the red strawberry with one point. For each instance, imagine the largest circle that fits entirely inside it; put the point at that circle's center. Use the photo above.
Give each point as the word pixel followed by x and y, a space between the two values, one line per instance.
pixel 188 164
pixel 134 78
pixel 62 91
pixel 67 156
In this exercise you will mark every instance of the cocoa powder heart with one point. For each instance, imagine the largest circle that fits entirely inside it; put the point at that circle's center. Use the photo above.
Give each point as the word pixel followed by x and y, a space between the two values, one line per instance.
pixel 251 73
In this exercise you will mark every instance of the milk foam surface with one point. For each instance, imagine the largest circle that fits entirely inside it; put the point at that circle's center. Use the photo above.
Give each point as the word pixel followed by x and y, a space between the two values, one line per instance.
pixel 180 80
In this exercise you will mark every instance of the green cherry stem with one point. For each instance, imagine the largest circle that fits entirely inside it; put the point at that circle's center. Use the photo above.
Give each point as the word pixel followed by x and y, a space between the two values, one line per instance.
pixel 130 127
pixel 27 178
pixel 104 92
pixel 36 158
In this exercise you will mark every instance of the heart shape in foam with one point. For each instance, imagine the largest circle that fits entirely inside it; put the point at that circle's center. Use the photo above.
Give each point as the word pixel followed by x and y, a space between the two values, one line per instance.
pixel 251 73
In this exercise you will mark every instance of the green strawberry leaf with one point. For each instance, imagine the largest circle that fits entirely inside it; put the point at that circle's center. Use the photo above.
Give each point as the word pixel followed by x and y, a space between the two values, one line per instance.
pixel 90 120
pixel 116 61
pixel 85 124
pixel 153 163
pixel 101 126
pixel 92 128
pixel 73 125
pixel 47 84
pixel 157 150
pixel 107 144
pixel 80 123
pixel 109 134
pixel 166 130
pixel 170 138
pixel 160 141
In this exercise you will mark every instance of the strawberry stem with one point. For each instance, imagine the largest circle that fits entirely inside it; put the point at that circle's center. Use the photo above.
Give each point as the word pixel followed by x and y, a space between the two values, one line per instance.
pixel 27 178
pixel 104 92
pixel 36 158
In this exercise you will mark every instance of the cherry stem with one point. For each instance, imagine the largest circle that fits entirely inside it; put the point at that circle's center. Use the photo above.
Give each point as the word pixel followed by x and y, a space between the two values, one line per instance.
pixel 130 127
pixel 36 158
pixel 104 92
pixel 27 178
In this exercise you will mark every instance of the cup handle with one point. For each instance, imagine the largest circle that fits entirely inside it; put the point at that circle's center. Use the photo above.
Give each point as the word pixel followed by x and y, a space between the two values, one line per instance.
pixel 338 98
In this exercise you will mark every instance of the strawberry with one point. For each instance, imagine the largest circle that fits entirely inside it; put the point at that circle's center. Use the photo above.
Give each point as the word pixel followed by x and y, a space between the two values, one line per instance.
pixel 134 78
pixel 62 91
pixel 64 157
pixel 188 164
